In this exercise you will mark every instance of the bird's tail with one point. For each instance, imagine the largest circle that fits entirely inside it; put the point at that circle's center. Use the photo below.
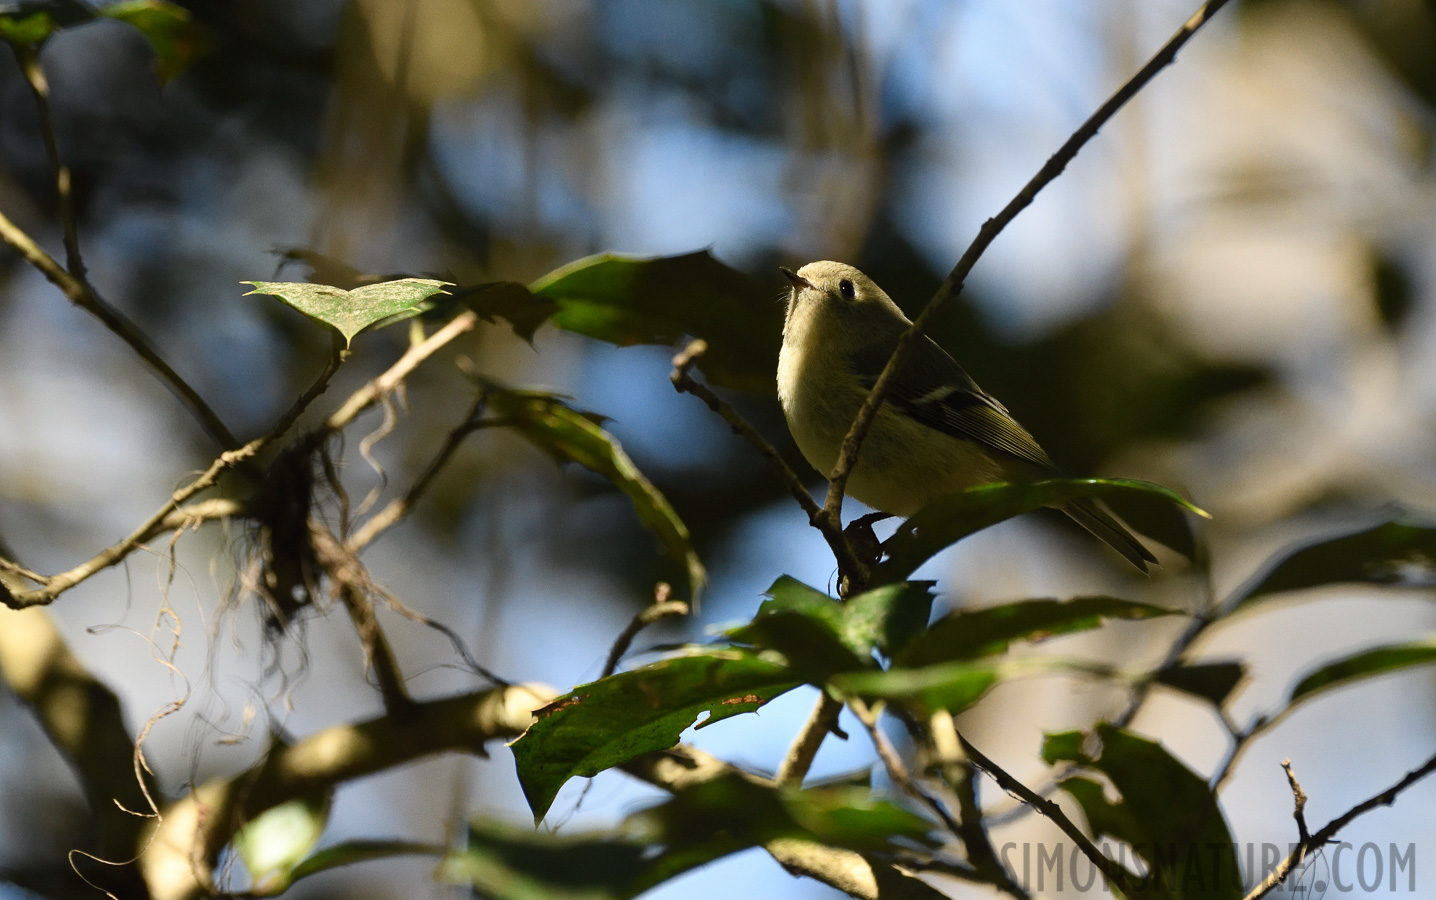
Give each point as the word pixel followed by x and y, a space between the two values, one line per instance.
pixel 1093 518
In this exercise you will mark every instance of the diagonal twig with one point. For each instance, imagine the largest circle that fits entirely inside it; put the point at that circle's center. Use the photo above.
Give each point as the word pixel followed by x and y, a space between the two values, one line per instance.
pixel 661 608
pixel 952 285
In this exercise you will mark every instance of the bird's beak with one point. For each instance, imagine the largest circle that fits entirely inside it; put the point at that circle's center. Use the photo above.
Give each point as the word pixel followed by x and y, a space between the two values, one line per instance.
pixel 797 280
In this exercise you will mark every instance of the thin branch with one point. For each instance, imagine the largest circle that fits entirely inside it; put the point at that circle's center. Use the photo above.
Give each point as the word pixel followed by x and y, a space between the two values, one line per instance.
pixel 952 285
pixel 386 383
pixel 823 719
pixel 29 59
pixel 87 299
pixel 397 509
pixel 1117 876
pixel 895 768
pixel 961 776
pixel 661 608
pixel 1299 802
pixel 684 383
pixel 1330 830
pixel 179 863
pixel 166 518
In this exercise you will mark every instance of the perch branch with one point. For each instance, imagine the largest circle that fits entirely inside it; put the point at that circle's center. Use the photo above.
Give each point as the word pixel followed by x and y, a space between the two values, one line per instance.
pixel 661 608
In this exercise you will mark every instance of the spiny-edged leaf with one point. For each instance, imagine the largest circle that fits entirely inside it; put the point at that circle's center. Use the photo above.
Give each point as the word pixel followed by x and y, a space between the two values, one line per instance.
pixel 574 436
pixel 350 852
pixel 510 301
pixel 699 824
pixel 955 686
pixel 821 636
pixel 1165 811
pixel 974 633
pixel 949 519
pixel 1212 681
pixel 350 312
pixel 624 300
pixel 26 30
pixel 274 842
pixel 176 38
pixel 1376 661
pixel 1400 553
pixel 616 719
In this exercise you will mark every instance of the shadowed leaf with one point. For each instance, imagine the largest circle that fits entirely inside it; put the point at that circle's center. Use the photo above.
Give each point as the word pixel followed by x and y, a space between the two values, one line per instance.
pixel 350 312
pixel 624 300
pixel 573 436
pixel 973 633
pixel 1166 812
pixel 617 719
pixel 1212 681
pixel 955 686
pixel 1398 553
pixel 1366 664
pixel 176 38
pixel 947 520
pixel 510 301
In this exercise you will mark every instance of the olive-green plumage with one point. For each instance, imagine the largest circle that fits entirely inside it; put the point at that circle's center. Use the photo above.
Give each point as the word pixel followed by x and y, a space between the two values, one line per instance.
pixel 937 433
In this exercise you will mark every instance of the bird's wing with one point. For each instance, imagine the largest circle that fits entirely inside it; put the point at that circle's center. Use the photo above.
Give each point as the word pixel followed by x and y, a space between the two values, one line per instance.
pixel 933 389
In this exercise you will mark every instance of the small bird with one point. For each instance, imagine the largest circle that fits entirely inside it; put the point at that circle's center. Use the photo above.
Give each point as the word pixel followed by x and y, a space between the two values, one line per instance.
pixel 937 432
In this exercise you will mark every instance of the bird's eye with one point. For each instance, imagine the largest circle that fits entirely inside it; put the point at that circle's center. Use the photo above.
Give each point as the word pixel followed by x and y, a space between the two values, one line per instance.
pixel 845 288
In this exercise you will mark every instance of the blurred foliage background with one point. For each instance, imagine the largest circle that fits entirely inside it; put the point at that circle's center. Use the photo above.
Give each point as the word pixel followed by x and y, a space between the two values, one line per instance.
pixel 1230 292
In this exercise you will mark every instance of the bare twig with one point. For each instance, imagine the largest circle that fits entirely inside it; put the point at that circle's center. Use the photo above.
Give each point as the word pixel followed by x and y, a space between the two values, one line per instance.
pixel 799 760
pixel 1117 876
pixel 1330 829
pixel 895 768
pixel 661 608
pixel 952 285
pixel 166 518
pixel 29 59
pixel 386 383
pixel 1299 802
pixel 179 863
pixel 684 383
pixel 87 299
pixel 395 510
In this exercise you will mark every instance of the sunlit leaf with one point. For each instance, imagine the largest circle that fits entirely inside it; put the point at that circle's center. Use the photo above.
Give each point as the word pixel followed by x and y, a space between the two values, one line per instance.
pixel 278 839
pixel 508 300
pixel 948 520
pixel 617 719
pixel 573 436
pixel 624 300
pixel 821 636
pixel 26 30
pixel 973 633
pixel 176 38
pixel 1400 553
pixel 1164 811
pixel 1366 664
pixel 1212 681
pixel 350 312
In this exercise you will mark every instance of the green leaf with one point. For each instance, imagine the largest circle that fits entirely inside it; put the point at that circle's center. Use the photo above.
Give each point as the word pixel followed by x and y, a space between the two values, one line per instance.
pixel 1212 681
pixel 1376 661
pixel 1400 553
pixel 699 824
pixel 821 636
pixel 955 686
pixel 617 719
pixel 26 30
pixel 350 312
pixel 1166 812
pixel 350 852
pixel 950 519
pixel 177 40
pixel 974 633
pixel 510 301
pixel 573 436
pixel 277 840
pixel 624 300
